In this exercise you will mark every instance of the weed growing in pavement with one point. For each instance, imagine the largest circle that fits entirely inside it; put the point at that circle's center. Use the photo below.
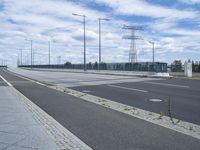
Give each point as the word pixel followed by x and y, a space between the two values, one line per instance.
pixel 101 100
pixel 161 115
pixel 82 95
pixel 127 109
pixel 190 128
pixel 170 114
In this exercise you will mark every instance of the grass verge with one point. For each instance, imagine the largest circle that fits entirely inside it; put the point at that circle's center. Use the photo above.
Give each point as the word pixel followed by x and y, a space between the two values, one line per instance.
pixel 185 77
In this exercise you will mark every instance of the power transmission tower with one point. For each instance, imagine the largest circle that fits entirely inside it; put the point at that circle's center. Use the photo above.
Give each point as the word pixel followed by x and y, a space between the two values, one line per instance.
pixel 133 38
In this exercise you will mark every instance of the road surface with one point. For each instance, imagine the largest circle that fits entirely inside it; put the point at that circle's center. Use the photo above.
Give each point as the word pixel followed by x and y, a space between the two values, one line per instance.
pixel 184 95
pixel 100 127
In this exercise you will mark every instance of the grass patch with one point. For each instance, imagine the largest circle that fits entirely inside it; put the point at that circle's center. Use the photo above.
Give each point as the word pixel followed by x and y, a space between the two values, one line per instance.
pixel 127 109
pixel 101 101
pixel 185 77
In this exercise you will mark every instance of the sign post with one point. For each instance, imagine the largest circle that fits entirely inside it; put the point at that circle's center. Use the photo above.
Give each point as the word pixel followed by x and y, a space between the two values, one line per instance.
pixel 188 69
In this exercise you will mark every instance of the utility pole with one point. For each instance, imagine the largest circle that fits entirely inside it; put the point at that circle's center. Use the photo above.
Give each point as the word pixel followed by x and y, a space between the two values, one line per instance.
pixel 153 54
pixel 49 52
pixel 31 54
pixel 84 44
pixel 133 38
pixel 100 19
pixel 32 58
pixel 21 58
pixel 84 38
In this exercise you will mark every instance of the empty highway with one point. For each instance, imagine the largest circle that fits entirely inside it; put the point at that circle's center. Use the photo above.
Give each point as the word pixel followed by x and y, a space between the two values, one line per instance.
pixel 100 127
pixel 184 94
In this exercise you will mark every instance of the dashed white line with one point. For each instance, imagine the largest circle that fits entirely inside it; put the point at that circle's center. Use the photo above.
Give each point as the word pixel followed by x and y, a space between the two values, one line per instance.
pixel 5 81
pixel 167 84
pixel 132 89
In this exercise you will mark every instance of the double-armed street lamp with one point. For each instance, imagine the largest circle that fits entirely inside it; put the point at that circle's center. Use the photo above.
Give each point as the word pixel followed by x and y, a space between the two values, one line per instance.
pixel 100 19
pixel 84 40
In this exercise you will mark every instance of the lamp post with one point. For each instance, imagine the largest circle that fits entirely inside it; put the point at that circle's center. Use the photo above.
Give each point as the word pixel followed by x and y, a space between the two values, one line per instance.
pixel 49 52
pixel 84 38
pixel 152 50
pixel 100 19
pixel 31 53
pixel 31 42
pixel 20 58
pixel 153 53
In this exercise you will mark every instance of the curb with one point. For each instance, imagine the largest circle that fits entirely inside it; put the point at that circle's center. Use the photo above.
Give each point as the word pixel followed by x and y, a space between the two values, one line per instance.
pixel 64 139
pixel 164 121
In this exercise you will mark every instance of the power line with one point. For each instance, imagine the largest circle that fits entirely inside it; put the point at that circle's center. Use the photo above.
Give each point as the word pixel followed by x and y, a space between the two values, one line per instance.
pixel 133 38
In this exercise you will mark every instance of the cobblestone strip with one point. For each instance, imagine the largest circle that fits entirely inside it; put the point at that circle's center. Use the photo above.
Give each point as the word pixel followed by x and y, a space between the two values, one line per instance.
pixel 165 121
pixel 62 137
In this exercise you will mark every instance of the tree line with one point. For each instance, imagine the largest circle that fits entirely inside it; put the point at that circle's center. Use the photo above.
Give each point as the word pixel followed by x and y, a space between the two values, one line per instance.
pixel 178 66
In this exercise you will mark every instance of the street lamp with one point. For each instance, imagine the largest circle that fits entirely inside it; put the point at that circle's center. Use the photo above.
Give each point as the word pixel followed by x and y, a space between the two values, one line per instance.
pixel 21 56
pixel 152 49
pixel 100 19
pixel 84 38
pixel 49 52
pixel 49 45
pixel 31 41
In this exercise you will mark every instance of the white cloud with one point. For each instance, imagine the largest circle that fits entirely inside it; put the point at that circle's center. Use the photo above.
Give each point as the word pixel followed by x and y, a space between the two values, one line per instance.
pixel 190 1
pixel 142 8
pixel 52 20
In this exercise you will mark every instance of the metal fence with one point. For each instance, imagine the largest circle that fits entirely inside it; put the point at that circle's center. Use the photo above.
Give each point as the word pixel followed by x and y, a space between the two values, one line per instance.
pixel 4 67
pixel 140 66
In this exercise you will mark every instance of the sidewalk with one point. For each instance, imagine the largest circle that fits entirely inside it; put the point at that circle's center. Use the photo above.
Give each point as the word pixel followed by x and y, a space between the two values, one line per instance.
pixel 18 129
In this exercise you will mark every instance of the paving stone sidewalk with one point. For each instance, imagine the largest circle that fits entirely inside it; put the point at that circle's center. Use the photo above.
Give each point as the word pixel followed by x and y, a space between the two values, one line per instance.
pixel 18 129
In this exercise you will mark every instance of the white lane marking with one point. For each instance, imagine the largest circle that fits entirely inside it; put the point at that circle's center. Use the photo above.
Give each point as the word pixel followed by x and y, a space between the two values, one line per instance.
pixel 155 100
pixel 167 84
pixel 86 91
pixel 132 89
pixel 5 81
pixel 14 74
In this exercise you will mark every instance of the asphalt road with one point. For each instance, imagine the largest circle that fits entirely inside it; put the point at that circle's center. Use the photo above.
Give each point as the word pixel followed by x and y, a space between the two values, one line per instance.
pixel 184 95
pixel 73 79
pixel 99 127
pixel 2 83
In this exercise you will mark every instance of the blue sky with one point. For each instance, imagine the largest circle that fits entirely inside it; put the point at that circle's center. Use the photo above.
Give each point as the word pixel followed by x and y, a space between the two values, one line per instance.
pixel 174 26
